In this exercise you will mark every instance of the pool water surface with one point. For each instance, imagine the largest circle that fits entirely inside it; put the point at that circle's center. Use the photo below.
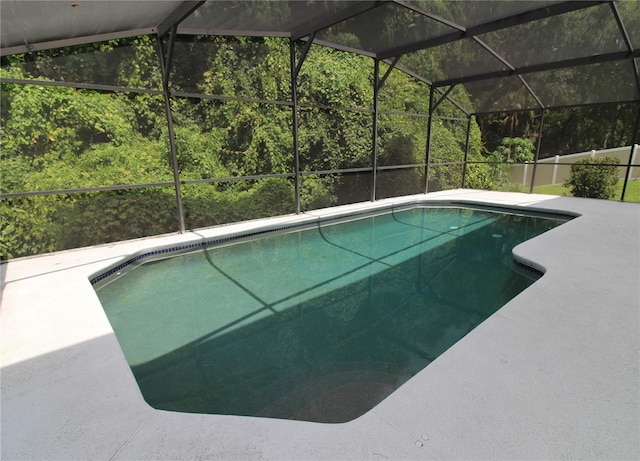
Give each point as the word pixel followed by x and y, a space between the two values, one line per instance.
pixel 319 323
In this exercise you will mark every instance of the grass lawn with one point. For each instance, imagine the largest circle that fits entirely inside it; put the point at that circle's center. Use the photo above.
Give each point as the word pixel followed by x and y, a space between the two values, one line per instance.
pixel 632 193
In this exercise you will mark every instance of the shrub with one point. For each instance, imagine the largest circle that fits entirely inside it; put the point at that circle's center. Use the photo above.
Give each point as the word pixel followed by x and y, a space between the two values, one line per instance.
pixel 593 177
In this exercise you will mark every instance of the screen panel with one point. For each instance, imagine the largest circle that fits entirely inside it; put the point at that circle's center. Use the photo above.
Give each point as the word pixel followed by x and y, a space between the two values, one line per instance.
pixel 586 32
pixel 240 67
pixel 332 139
pixel 41 224
pixel 473 13
pixel 452 60
pixel 630 15
pixel 129 63
pixel 212 204
pixel 258 16
pixel 501 94
pixel 588 84
pixel 227 138
pixel 333 189
pixel 395 183
pixel 401 139
pixel 387 26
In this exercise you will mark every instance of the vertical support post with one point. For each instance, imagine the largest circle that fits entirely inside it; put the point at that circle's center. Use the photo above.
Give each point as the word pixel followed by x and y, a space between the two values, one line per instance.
pixel 374 153
pixel 466 154
pixel 535 161
pixel 428 147
pixel 165 64
pixel 634 139
pixel 524 174
pixel 634 151
pixel 294 99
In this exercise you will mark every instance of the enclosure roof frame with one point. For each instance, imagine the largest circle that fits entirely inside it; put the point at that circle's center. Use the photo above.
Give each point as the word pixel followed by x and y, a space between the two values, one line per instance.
pixel 454 35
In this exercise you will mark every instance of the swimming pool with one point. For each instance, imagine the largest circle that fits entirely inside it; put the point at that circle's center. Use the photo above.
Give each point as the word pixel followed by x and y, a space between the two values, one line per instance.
pixel 316 322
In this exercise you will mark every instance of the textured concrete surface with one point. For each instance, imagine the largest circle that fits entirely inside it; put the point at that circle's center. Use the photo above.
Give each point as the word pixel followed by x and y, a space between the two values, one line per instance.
pixel 554 374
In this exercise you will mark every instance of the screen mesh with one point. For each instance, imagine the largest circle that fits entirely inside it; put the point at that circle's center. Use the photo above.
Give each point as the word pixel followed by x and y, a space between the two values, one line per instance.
pixel 580 33
pixel 388 26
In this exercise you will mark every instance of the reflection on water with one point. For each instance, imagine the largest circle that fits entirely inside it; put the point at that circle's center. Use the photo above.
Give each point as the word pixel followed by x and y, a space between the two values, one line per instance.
pixel 317 325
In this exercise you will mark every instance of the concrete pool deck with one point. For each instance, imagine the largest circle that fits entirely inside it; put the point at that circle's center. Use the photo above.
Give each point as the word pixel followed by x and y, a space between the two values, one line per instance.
pixel 554 374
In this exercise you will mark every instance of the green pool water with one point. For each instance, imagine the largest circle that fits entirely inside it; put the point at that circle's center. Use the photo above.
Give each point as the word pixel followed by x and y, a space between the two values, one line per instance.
pixel 317 324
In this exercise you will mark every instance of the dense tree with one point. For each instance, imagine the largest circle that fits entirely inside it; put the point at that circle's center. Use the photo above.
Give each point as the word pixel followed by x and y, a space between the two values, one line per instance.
pixel 230 101
pixel 566 130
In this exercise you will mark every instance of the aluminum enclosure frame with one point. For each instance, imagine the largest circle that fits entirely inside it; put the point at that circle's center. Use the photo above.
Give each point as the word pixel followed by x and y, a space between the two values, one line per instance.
pixel 21 32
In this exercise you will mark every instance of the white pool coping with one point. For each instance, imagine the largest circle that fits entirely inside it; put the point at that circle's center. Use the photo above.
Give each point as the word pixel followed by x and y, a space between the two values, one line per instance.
pixel 554 374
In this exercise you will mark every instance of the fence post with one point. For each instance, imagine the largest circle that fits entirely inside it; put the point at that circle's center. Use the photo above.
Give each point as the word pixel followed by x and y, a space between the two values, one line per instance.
pixel 524 174
pixel 466 154
pixel 555 169
pixel 537 157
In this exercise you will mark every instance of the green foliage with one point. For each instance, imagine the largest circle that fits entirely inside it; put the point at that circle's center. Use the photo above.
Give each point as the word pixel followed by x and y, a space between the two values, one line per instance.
pixel 446 149
pixel 330 138
pixel 138 161
pixel 401 140
pixel 495 175
pixel 566 130
pixel 593 177
pixel 332 77
pixel 478 175
pixel 514 150
pixel 44 122
pixel 317 192
pixel 130 62
pixel 582 129
pixel 26 226
pixel 94 218
pixel 205 205
pixel 196 153
pixel 60 138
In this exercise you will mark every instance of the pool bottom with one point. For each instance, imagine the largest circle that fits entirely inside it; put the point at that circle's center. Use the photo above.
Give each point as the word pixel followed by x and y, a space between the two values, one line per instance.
pixel 375 340
pixel 332 356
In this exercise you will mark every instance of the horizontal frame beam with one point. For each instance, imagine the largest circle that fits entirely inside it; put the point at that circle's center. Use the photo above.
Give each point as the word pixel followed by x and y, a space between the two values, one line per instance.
pixel 567 63
pixel 232 32
pixel 84 190
pixel 366 169
pixel 67 42
pixel 83 86
pixel 406 166
pixel 238 178
pixel 564 106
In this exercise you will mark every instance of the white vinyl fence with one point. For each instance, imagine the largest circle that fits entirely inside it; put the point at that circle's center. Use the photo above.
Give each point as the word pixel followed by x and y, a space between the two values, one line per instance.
pixel 549 172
